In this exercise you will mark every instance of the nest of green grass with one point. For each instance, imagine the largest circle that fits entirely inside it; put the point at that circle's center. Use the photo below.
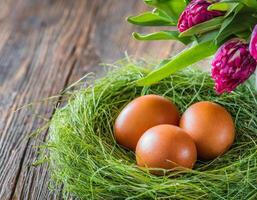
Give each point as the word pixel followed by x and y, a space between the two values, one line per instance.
pixel 86 160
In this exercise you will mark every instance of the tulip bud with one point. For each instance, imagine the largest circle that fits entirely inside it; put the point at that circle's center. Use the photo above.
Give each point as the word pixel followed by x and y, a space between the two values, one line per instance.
pixel 253 43
pixel 232 65
pixel 196 12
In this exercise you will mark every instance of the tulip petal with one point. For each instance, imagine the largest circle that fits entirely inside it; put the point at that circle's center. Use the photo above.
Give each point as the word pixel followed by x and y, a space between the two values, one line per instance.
pixel 195 13
pixel 232 65
pixel 253 43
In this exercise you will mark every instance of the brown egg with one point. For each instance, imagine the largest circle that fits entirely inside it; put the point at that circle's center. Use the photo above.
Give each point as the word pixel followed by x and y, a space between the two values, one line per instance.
pixel 166 146
pixel 141 114
pixel 210 126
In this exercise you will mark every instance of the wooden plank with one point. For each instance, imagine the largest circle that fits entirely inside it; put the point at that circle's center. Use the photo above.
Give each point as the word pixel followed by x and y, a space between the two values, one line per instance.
pixel 44 46
pixel 38 58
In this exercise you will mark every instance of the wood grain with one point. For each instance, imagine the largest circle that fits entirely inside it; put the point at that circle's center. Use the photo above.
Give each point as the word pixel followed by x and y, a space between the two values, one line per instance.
pixel 44 46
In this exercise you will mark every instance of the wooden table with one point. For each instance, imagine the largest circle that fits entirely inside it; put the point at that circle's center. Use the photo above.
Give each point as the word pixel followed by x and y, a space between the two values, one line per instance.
pixel 45 45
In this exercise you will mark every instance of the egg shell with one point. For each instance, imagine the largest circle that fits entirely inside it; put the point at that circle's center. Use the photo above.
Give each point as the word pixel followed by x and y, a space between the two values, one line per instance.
pixel 211 127
pixel 141 114
pixel 167 147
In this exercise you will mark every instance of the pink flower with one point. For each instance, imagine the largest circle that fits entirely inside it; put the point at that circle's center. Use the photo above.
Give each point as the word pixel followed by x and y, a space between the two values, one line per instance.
pixel 232 65
pixel 253 43
pixel 196 12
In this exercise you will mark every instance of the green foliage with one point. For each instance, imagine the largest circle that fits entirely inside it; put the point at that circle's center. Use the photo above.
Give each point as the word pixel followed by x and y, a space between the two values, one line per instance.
pixel 223 6
pixel 150 19
pixel 86 161
pixel 162 35
pixel 239 18
pixel 173 8
pixel 180 61
pixel 250 3
pixel 203 27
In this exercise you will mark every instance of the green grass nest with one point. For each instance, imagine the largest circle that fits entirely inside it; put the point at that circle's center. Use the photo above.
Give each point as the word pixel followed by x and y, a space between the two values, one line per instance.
pixel 86 160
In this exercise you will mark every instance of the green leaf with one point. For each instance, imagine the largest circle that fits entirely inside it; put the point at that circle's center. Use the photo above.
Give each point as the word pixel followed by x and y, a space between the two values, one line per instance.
pixel 180 61
pixel 250 3
pixel 227 5
pixel 231 7
pixel 163 14
pixel 222 6
pixel 162 35
pixel 234 25
pixel 208 36
pixel 244 34
pixel 203 27
pixel 227 23
pixel 172 8
pixel 150 19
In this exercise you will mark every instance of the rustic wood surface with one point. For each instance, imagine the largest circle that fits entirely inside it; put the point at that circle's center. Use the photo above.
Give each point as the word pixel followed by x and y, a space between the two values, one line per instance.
pixel 44 46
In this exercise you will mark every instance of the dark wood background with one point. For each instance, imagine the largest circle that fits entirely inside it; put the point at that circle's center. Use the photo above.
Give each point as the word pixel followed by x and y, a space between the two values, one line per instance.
pixel 45 45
